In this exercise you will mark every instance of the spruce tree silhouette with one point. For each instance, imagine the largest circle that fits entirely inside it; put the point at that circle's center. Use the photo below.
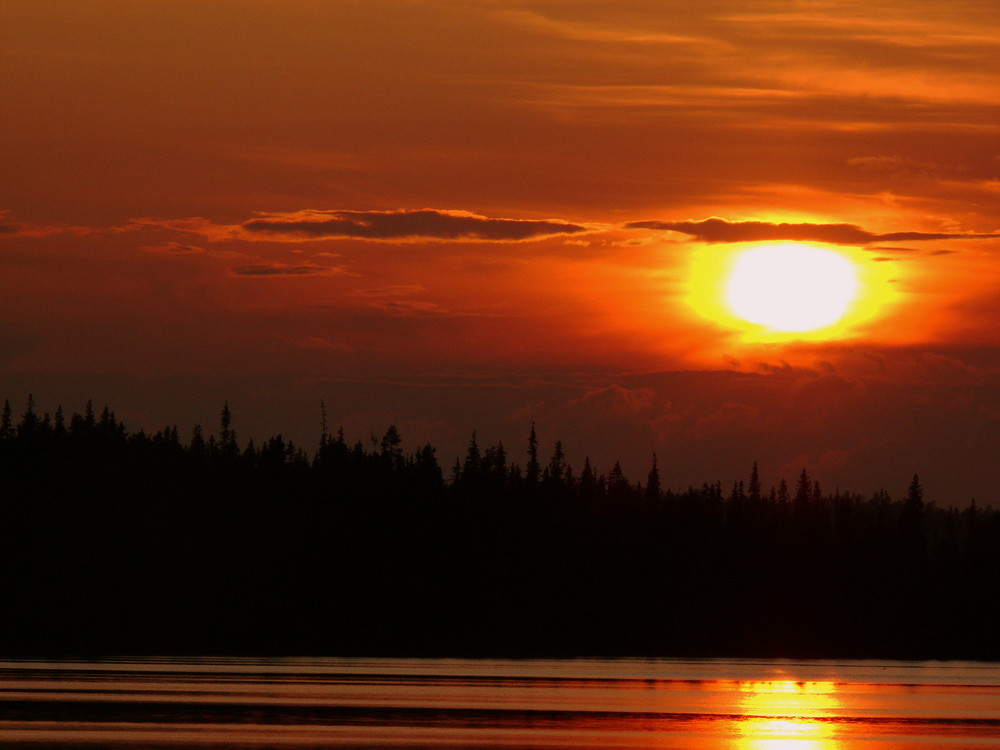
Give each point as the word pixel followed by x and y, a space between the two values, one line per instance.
pixel 554 474
pixel 653 488
pixel 120 542
pixel 588 482
pixel 533 470
pixel 6 424
pixel 753 490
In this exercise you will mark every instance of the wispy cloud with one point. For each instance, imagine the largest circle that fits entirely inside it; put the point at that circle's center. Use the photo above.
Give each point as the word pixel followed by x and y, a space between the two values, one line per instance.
pixel 403 225
pixel 174 248
pixel 23 229
pixel 890 164
pixel 283 269
pixel 415 224
pixel 197 225
pixel 391 291
pixel 182 250
pixel 318 343
pixel 6 225
pixel 717 230
pixel 891 249
pixel 412 308
pixel 598 31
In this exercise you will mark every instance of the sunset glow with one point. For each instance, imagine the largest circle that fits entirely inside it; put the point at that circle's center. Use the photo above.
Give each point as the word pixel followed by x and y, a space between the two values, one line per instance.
pixel 648 228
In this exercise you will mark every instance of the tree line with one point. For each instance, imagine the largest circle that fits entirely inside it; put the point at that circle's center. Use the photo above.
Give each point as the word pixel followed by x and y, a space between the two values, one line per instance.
pixel 119 542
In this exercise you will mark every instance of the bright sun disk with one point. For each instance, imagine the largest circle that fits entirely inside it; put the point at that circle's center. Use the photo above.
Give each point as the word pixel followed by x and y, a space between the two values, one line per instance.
pixel 791 287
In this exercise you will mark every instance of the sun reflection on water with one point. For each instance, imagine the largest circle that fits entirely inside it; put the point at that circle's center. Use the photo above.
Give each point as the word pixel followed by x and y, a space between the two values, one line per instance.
pixel 786 715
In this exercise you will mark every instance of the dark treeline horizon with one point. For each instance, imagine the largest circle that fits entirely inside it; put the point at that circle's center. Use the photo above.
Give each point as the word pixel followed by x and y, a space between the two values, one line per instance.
pixel 127 543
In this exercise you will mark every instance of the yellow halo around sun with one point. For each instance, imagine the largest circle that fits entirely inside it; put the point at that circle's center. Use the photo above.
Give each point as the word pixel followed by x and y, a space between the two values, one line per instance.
pixel 791 287
pixel 786 291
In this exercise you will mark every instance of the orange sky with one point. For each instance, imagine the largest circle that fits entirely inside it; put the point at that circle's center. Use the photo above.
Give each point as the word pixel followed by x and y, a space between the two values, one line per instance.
pixel 455 215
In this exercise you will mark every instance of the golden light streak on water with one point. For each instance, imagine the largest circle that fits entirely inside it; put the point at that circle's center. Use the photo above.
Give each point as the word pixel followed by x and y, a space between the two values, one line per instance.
pixel 787 715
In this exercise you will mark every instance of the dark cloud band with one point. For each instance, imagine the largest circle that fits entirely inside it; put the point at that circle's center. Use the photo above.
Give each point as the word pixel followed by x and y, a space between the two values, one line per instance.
pixel 412 224
pixel 720 230
pixel 276 270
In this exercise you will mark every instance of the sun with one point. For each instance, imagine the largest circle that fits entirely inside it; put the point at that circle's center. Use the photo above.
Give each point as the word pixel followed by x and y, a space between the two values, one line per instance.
pixel 784 293
pixel 791 287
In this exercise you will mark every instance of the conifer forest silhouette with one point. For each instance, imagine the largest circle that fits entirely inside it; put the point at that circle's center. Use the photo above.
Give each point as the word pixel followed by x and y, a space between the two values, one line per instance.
pixel 118 542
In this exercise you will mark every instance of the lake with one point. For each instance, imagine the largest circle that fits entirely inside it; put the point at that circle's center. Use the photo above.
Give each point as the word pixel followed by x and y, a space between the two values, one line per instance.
pixel 454 703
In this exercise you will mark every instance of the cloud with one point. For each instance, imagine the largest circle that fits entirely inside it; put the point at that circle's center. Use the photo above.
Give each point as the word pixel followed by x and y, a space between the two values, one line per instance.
pixel 730 417
pixel 825 464
pixel 890 249
pixel 197 225
pixel 638 32
pixel 184 250
pixel 616 399
pixel 174 248
pixel 412 308
pixel 426 223
pixel 319 343
pixel 282 269
pixel 890 164
pixel 391 291
pixel 10 227
pixel 6 225
pixel 720 230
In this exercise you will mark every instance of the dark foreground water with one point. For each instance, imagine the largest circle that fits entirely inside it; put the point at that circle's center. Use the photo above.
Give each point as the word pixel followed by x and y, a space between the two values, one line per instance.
pixel 584 703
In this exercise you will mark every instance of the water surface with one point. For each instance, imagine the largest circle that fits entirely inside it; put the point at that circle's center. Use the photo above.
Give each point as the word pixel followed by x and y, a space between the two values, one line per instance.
pixel 581 703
